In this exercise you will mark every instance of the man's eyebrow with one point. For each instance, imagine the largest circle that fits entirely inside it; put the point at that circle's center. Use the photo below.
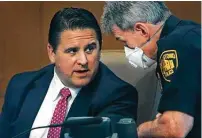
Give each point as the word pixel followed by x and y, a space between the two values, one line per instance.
pixel 118 38
pixel 71 48
pixel 92 43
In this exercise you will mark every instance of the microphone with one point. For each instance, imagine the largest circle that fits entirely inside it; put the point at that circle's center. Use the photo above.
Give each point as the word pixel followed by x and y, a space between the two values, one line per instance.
pixel 102 130
pixel 70 122
pixel 126 128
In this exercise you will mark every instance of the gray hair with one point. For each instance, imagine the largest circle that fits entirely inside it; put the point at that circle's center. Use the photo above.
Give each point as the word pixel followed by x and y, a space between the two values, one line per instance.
pixel 125 14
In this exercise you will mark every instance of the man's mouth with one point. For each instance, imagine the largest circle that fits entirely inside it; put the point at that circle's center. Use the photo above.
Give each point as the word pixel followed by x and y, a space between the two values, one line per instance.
pixel 81 71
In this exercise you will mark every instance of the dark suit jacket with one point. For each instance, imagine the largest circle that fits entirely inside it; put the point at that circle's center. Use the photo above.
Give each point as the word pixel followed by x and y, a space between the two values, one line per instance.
pixel 106 96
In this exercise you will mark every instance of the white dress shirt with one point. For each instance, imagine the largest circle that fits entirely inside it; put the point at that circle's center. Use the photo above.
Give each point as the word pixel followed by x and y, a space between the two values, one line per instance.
pixel 47 108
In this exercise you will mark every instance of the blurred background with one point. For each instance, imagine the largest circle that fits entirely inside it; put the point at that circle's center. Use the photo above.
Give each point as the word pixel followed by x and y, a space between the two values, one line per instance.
pixel 24 30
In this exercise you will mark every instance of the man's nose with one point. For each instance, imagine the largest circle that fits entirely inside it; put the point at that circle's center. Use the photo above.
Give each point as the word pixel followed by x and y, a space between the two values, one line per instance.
pixel 82 59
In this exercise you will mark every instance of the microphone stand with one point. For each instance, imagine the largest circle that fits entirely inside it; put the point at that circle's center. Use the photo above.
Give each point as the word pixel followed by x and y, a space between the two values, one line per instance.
pixel 71 121
pixel 26 131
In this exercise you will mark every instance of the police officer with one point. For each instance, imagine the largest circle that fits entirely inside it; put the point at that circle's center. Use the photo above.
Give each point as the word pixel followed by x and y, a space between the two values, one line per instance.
pixel 150 33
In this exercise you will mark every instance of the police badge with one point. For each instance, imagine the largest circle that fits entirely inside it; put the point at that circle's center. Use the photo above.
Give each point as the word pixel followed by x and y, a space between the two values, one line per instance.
pixel 168 64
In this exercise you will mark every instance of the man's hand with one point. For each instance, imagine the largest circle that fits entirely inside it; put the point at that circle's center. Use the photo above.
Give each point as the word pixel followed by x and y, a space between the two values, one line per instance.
pixel 170 124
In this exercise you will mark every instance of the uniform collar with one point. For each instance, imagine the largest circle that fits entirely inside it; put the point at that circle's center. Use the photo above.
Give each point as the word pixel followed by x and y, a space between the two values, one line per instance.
pixel 170 25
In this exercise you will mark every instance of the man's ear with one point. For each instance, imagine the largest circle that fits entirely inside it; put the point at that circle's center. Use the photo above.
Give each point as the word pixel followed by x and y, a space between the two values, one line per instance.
pixel 51 53
pixel 142 29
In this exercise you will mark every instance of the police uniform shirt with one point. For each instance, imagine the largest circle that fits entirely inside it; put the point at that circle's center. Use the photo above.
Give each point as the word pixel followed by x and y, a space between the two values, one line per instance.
pixel 179 68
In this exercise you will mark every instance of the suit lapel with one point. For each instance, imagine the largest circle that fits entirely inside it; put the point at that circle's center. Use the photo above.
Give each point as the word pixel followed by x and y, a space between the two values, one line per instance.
pixel 33 100
pixel 81 104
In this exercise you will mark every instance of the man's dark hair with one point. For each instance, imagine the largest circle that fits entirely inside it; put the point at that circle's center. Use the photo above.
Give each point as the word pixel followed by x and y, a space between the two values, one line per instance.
pixel 71 19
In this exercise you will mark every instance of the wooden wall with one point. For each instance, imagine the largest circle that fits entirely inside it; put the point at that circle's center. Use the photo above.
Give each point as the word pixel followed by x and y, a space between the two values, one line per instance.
pixel 24 28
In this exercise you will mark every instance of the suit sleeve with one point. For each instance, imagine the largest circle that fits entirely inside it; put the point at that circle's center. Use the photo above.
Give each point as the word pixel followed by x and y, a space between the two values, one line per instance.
pixel 183 92
pixel 7 111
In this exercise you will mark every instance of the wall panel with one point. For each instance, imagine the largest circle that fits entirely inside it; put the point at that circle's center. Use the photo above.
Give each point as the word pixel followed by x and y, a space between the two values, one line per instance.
pixel 50 8
pixel 19 39
pixel 188 10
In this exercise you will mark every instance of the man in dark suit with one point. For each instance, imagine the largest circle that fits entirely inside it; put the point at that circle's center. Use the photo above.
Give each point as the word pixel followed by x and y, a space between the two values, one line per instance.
pixel 75 84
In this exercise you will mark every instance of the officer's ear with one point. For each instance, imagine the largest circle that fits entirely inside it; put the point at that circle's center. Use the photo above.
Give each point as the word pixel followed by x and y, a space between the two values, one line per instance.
pixel 142 29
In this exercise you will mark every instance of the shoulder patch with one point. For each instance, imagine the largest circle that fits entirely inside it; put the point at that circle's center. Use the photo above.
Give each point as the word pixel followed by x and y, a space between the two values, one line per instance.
pixel 168 64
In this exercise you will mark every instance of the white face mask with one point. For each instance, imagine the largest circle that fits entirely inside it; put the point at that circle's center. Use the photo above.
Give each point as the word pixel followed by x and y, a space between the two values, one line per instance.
pixel 137 58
